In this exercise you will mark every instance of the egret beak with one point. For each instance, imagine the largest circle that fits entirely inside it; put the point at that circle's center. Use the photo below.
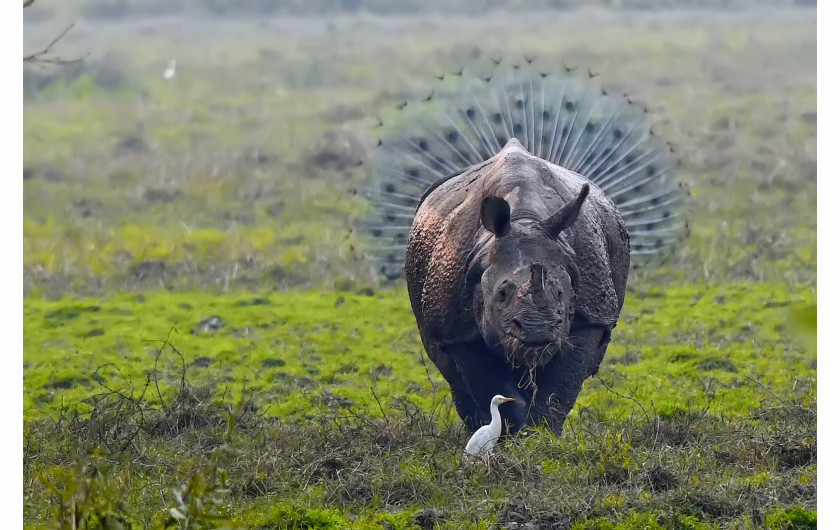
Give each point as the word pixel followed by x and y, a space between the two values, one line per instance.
pixel 508 400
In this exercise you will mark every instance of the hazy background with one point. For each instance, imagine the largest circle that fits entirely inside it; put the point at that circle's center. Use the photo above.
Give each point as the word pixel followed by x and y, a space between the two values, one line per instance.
pixel 241 167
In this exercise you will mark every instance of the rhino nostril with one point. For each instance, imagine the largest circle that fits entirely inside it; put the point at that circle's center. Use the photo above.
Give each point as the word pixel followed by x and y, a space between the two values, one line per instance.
pixel 517 324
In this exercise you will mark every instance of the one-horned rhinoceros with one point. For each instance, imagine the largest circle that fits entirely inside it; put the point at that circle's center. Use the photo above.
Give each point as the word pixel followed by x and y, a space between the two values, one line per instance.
pixel 516 270
pixel 512 203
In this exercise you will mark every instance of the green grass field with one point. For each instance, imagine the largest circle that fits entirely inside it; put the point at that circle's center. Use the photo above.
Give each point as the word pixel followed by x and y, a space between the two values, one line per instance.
pixel 205 344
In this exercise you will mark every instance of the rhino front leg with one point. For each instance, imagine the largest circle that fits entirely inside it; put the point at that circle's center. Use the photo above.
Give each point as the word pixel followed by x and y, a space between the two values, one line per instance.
pixel 484 376
pixel 560 382
pixel 464 403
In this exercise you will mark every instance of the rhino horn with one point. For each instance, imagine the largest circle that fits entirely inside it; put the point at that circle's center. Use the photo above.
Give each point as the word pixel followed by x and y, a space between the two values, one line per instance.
pixel 537 278
pixel 567 215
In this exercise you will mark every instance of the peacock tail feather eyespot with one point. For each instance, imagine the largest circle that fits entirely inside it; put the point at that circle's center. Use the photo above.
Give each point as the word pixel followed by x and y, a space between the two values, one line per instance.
pixel 557 114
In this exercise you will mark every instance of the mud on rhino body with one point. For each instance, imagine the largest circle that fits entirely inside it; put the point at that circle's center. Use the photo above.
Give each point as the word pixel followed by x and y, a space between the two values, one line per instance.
pixel 516 271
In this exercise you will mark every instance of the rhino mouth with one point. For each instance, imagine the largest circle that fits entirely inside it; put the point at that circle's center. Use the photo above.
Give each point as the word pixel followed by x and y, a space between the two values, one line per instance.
pixel 531 354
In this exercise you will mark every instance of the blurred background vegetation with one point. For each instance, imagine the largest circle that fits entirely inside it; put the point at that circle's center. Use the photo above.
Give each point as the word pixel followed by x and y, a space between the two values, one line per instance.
pixel 122 9
pixel 245 167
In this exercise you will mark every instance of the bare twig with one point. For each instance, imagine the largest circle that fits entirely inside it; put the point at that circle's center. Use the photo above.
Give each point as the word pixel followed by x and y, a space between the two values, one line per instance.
pixel 166 343
pixel 787 404
pixel 40 57
pixel 381 409
pixel 632 398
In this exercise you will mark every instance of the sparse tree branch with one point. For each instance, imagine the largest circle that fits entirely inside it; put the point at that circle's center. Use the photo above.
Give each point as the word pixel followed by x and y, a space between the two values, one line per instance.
pixel 41 56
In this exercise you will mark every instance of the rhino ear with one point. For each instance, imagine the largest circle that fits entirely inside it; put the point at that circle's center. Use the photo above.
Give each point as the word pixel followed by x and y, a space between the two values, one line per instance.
pixel 567 215
pixel 495 215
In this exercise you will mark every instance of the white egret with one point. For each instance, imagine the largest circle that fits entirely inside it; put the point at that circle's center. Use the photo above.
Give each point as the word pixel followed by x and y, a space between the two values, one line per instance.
pixel 485 438
pixel 169 73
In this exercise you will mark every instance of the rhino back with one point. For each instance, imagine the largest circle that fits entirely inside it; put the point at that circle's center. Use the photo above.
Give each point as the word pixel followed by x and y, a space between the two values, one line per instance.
pixel 447 238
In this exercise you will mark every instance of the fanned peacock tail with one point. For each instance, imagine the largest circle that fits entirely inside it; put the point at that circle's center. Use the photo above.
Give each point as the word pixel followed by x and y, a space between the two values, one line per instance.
pixel 560 118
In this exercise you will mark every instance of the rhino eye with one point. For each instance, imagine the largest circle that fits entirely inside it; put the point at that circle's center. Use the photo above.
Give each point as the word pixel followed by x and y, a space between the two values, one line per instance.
pixel 503 294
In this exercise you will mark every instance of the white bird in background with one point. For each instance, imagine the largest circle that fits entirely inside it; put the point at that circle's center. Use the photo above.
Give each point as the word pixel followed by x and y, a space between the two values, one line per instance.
pixel 485 438
pixel 169 73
